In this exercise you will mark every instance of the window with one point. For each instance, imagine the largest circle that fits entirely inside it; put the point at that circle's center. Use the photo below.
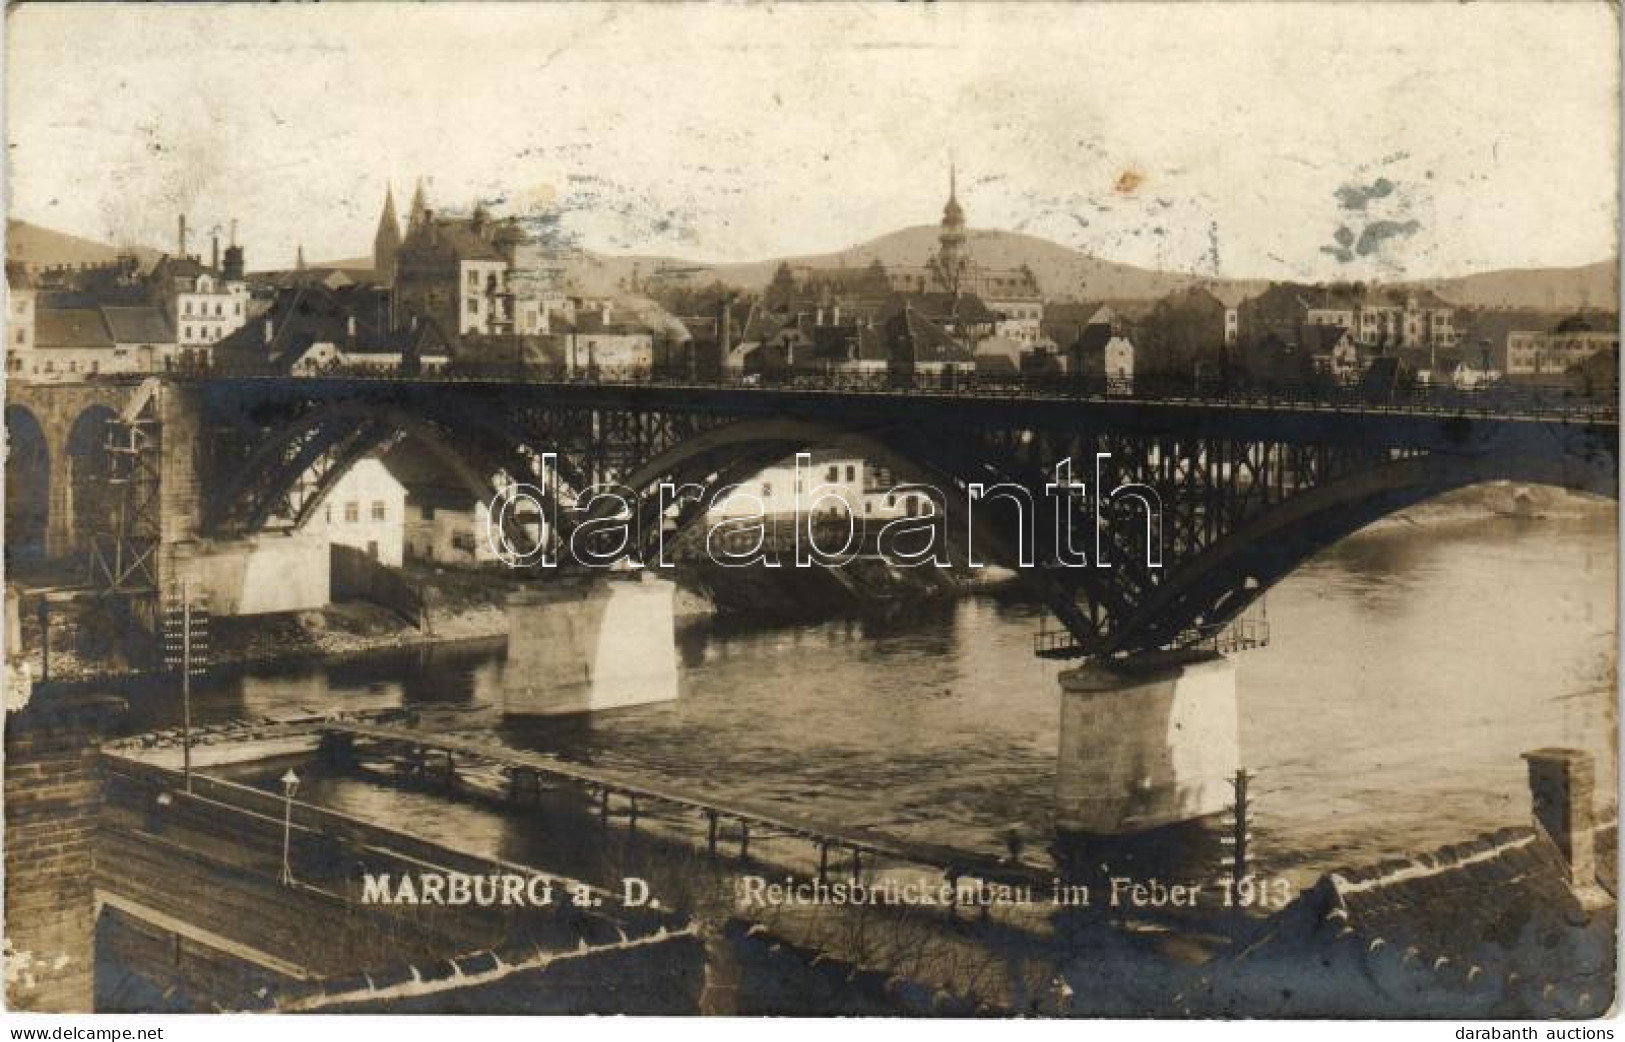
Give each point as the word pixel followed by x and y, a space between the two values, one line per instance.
pixel 427 511
pixel 188 332
pixel 188 307
pixel 767 490
pixel 352 511
pixel 329 513
pixel 378 511
pixel 473 279
pixel 217 310
pixel 237 308
pixel 851 472
pixel 22 336
pixel 834 473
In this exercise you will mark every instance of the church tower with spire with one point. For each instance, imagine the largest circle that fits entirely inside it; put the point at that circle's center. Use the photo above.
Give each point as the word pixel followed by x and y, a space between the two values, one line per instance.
pixel 419 211
pixel 387 242
pixel 951 265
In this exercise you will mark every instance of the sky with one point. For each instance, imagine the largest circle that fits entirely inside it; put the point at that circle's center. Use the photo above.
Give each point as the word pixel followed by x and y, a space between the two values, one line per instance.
pixel 1271 140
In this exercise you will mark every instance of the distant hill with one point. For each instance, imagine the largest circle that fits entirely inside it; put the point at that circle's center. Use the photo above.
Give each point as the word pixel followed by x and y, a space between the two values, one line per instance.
pixel 1062 272
pixel 42 247
pixel 1067 274
pixel 1554 289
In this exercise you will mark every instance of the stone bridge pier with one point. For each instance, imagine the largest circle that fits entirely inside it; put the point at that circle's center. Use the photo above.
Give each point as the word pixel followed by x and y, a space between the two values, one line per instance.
pixel 590 643
pixel 1146 743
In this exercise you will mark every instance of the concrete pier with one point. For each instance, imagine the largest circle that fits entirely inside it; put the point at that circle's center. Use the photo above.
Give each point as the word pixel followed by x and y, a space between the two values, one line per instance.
pixel 598 643
pixel 1146 743
pixel 270 572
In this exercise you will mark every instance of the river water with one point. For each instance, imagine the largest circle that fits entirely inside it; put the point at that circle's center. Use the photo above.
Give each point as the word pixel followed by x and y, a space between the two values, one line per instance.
pixel 1408 669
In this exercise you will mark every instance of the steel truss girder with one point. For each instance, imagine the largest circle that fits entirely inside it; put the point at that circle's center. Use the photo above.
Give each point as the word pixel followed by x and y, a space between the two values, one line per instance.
pixel 1229 496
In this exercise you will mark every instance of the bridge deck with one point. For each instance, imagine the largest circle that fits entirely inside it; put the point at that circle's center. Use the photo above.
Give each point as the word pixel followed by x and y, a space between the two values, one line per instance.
pixel 953 862
pixel 1506 403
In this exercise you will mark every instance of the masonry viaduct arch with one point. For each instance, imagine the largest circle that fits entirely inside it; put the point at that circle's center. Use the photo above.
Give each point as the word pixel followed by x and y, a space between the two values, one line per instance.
pixel 65 422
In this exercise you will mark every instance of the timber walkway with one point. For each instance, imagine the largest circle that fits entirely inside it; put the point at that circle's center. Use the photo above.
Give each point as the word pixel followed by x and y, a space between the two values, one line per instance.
pixel 525 771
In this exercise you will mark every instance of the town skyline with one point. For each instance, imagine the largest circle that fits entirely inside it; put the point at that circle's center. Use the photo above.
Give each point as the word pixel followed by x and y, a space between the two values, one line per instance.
pixel 1471 184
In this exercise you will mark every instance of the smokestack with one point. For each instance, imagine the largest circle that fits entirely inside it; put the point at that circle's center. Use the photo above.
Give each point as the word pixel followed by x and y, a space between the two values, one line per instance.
pixel 214 254
pixel 182 236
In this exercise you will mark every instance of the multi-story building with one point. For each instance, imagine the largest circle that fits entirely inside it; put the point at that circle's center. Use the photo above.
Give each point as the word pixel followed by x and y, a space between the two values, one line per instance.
pixel 1538 354
pixel 366 509
pixel 1381 321
pixel 454 273
pixel 204 304
pixel 1406 319
pixel 20 299
pixel 598 339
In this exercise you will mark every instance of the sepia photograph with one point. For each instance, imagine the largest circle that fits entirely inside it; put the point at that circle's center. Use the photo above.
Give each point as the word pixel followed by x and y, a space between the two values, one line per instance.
pixel 766 509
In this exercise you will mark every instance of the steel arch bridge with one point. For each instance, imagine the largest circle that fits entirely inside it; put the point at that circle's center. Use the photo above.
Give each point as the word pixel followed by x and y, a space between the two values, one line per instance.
pixel 1248 491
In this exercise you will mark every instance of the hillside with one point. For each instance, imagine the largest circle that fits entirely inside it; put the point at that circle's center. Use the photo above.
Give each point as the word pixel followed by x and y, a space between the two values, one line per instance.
pixel 1067 274
pixel 42 247
pixel 1062 273
pixel 1555 289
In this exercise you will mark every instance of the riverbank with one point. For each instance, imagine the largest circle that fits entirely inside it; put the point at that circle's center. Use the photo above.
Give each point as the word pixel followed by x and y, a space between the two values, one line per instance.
pixel 462 606
pixel 87 642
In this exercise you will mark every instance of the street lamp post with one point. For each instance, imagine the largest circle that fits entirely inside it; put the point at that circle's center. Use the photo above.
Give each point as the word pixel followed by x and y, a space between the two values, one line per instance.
pixel 290 784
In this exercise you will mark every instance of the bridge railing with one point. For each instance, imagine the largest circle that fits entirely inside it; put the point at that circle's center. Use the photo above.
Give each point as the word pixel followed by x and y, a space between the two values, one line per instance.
pixel 1225 638
pixel 1564 400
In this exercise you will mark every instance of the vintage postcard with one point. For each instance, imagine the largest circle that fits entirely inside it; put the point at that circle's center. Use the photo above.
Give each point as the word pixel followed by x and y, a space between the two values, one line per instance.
pixel 901 510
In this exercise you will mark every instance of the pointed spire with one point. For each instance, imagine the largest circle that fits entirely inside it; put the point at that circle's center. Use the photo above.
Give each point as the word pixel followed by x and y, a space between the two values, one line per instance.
pixel 387 242
pixel 387 221
pixel 420 207
pixel 953 215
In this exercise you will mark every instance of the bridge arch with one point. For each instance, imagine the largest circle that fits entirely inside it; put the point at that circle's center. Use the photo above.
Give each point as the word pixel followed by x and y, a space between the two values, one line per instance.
pixel 289 475
pixel 1216 585
pixel 88 497
pixel 1251 491
pixel 28 484
pixel 1199 591
pixel 732 452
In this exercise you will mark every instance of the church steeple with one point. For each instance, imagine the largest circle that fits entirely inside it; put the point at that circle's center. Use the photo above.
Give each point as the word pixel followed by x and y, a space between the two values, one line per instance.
pixel 952 262
pixel 953 215
pixel 420 208
pixel 387 242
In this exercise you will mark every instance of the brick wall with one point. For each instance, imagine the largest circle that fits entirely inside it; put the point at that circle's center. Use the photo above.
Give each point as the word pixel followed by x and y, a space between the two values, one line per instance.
pixel 52 808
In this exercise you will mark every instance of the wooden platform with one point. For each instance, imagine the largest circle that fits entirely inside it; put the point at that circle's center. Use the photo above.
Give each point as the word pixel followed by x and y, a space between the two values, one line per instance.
pixel 860 842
